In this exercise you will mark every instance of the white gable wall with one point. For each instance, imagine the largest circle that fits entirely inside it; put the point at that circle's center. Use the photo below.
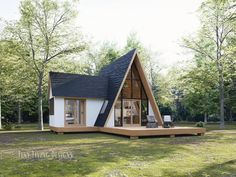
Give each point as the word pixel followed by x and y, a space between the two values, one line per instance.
pixel 57 120
pixel 150 110
pixel 93 107
pixel 111 119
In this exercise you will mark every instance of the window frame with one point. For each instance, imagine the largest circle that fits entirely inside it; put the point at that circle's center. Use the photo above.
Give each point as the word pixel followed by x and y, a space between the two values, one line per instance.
pixel 51 106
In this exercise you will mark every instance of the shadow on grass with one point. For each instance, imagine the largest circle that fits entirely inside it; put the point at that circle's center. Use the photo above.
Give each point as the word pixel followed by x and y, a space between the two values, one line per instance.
pixel 225 169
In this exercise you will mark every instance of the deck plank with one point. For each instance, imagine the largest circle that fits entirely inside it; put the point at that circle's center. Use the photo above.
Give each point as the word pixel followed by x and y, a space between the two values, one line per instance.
pixel 135 131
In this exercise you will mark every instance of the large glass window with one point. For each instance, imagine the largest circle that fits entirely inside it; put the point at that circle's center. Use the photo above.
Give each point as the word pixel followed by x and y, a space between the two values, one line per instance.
pixel 51 106
pixel 118 113
pixel 136 89
pixel 135 74
pixel 127 89
pixel 144 112
pixel 104 106
pixel 74 112
pixel 132 85
pixel 132 98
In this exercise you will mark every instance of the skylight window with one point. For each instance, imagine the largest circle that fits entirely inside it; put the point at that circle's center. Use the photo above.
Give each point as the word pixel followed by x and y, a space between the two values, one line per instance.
pixel 104 106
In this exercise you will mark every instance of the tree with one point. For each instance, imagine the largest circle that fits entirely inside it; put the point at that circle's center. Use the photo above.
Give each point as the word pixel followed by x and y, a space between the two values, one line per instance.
pixel 217 27
pixel 199 84
pixel 146 56
pixel 44 33
pixel 16 78
pixel 101 56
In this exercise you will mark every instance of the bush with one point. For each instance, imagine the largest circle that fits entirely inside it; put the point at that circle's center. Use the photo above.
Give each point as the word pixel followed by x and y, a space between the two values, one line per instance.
pixel 7 125
pixel 18 126
pixel 200 124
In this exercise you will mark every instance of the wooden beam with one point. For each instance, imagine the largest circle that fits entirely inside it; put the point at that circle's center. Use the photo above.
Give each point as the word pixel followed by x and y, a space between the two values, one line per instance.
pixel 148 90
pixel 74 129
pixel 142 131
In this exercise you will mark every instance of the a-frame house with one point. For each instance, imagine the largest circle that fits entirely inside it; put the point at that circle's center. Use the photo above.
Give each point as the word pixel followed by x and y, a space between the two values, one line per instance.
pixel 119 97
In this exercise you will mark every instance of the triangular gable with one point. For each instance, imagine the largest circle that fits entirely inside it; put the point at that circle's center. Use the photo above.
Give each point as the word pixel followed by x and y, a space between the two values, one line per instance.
pixel 117 73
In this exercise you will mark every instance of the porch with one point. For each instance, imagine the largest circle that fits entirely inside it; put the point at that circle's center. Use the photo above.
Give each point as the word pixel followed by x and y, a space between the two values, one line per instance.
pixel 135 132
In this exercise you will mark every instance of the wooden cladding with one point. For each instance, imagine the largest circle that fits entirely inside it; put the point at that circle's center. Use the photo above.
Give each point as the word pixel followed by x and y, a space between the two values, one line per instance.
pixel 148 90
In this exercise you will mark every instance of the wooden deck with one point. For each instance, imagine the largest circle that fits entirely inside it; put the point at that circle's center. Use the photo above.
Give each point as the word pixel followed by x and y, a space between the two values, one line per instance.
pixel 73 129
pixel 135 132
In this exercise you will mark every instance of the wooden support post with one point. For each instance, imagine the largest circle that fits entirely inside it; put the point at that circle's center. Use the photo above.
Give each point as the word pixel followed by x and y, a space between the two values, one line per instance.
pixel 133 137
pixel 172 136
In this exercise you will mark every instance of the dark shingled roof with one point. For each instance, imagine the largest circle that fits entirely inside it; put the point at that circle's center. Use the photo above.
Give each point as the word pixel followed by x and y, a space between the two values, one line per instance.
pixel 115 73
pixel 76 85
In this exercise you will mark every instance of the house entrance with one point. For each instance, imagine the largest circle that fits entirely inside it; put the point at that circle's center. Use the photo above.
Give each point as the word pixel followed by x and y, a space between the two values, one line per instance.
pixel 131 112
pixel 75 112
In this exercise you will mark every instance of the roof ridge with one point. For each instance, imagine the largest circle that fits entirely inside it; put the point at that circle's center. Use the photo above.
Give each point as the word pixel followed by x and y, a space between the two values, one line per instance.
pixel 75 74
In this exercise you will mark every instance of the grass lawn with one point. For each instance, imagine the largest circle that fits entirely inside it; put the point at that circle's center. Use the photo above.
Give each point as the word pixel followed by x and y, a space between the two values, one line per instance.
pixel 97 154
pixel 210 126
pixel 28 126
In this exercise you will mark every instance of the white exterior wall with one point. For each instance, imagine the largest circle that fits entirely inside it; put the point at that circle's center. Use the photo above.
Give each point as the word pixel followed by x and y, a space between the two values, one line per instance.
pixel 57 120
pixel 110 121
pixel 93 107
pixel 150 110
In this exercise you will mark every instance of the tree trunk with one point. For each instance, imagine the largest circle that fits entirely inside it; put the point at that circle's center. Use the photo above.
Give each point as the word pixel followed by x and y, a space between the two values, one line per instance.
pixel 0 112
pixel 230 115
pixel 220 72
pixel 205 118
pixel 19 113
pixel 222 100
pixel 40 102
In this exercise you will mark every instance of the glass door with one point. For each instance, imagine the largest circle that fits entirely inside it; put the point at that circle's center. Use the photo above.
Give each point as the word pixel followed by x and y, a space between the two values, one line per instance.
pixel 75 112
pixel 131 112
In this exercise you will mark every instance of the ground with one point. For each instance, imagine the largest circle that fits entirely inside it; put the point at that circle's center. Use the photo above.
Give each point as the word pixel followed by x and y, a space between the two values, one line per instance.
pixel 97 154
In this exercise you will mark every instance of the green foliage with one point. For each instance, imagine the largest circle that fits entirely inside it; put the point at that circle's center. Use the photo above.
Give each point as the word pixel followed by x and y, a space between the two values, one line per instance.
pixel 104 55
pixel 7 125
pixel 200 124
pixel 209 84
pixel 44 32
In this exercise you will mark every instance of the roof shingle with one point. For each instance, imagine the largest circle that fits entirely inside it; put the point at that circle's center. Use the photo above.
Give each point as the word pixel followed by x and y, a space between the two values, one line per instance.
pixel 76 85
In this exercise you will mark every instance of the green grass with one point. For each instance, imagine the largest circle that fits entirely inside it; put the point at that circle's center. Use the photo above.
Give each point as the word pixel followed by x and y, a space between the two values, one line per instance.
pixel 97 154
pixel 26 126
pixel 209 126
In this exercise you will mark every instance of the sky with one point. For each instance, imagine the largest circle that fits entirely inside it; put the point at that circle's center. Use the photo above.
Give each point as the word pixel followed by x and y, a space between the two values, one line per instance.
pixel 160 24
